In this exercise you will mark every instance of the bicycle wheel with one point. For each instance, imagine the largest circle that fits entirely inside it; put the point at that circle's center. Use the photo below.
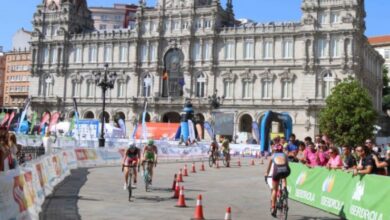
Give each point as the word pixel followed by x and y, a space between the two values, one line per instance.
pixel 129 186
pixel 146 180
pixel 211 161
pixel 225 159
pixel 282 207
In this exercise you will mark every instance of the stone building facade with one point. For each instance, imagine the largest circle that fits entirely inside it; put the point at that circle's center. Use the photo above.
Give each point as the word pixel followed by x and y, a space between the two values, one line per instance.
pixel 382 45
pixel 191 49
pixel 117 17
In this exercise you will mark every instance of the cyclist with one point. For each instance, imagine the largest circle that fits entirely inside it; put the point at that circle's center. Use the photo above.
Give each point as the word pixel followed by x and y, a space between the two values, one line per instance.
pixel 149 155
pixel 131 158
pixel 280 171
pixel 226 150
pixel 214 150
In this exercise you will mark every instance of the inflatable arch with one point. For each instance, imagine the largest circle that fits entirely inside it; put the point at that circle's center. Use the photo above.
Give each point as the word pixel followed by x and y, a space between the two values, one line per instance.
pixel 265 127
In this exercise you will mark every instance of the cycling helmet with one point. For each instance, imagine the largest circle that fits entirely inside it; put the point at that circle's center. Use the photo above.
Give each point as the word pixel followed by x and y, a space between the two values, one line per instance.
pixel 278 148
pixel 150 142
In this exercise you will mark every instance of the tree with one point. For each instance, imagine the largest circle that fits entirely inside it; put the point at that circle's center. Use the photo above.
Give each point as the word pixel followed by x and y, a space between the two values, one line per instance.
pixel 385 90
pixel 349 115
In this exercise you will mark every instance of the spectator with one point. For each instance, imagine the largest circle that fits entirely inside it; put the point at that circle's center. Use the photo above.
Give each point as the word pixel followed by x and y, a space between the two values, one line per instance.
pixel 317 141
pixel 311 158
pixel 335 161
pixel 301 152
pixel 14 149
pixel 323 153
pixel 384 164
pixel 294 140
pixel 5 152
pixel 366 162
pixel 292 151
pixel 308 140
pixel 349 161
pixel 283 142
pixel 369 143
pixel 47 143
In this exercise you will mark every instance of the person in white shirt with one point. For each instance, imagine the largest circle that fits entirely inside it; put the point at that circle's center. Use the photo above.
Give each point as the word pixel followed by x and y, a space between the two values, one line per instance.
pixel 47 143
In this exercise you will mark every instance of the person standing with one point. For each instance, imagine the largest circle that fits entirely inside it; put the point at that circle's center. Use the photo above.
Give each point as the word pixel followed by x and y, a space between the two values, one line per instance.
pixel 349 161
pixel 5 152
pixel 47 143
pixel 14 149
pixel 334 161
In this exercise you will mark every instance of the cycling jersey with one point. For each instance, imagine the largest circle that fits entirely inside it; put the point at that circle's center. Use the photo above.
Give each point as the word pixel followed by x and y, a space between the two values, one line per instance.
pixel 149 153
pixel 280 169
pixel 131 156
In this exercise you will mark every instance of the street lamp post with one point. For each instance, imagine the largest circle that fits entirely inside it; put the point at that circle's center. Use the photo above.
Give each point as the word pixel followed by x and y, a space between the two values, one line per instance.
pixel 105 80
pixel 215 102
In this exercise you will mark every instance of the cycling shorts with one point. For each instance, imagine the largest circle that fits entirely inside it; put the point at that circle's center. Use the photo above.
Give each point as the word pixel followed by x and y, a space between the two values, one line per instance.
pixel 129 161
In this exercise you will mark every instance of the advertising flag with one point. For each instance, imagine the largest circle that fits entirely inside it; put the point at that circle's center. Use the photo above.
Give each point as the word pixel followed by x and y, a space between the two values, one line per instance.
pixel 11 117
pixel 208 128
pixel 256 131
pixel 23 115
pixel 33 121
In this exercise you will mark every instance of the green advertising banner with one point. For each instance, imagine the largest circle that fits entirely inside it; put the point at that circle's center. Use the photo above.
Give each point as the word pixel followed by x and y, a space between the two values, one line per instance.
pixel 361 197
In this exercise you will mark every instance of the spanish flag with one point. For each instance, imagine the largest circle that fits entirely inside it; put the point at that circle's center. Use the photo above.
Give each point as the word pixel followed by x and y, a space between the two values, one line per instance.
pixel 165 75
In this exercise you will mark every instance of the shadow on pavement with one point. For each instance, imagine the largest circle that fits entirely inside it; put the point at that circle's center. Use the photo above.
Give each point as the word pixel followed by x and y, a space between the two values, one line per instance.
pixel 62 203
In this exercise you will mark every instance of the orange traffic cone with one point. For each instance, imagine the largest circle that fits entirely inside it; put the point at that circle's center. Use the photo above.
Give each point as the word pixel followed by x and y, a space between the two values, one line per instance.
pixel 239 162
pixel 177 191
pixel 198 215
pixel 253 162
pixel 257 155
pixel 193 168
pixel 180 177
pixel 228 215
pixel 261 161
pixel 202 167
pixel 181 202
pixel 185 170
pixel 174 182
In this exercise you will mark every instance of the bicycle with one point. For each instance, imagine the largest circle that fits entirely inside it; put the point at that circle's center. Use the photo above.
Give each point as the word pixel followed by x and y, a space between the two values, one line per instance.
pixel 147 176
pixel 129 179
pixel 281 205
pixel 218 155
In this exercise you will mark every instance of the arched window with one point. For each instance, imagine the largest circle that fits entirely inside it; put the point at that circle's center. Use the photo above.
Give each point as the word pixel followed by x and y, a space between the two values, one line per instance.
pixel 200 85
pixel 329 83
pixel 147 86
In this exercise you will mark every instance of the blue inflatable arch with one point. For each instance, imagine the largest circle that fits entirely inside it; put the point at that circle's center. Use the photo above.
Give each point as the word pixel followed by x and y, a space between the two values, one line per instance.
pixel 265 127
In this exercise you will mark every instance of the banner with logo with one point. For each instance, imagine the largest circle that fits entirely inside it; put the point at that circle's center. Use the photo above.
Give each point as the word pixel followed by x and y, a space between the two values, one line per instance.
pixel 340 193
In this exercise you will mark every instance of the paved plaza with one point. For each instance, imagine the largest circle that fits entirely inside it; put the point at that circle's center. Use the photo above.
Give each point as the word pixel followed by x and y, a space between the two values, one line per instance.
pixel 97 193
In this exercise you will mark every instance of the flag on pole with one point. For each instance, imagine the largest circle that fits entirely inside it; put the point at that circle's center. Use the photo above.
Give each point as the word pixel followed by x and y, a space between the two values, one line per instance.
pixel 33 121
pixel 191 131
pixel 23 115
pixel 2 115
pixel 144 126
pixel 11 117
pixel 45 119
pixel 135 131
pixel 5 119
pixel 54 119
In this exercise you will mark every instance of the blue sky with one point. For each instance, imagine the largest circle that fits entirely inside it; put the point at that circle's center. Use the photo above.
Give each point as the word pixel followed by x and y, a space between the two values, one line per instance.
pixel 17 14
